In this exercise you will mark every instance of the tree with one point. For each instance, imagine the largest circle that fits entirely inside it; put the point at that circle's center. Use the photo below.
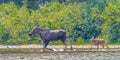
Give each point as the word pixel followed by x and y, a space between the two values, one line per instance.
pixel 5 1
pixel 18 2
pixel 62 1
pixel 41 2
pixel 33 4
pixel 114 32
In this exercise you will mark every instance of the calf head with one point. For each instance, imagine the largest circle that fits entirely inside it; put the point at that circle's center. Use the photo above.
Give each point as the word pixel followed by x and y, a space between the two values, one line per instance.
pixel 91 40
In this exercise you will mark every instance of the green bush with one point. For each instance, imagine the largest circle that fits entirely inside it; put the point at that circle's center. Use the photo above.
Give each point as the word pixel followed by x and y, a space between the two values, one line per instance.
pixel 80 20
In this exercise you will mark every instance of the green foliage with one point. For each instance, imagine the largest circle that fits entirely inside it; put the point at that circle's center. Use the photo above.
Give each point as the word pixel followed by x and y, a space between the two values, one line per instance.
pixel 32 4
pixel 89 23
pixel 18 2
pixel 99 18
pixel 111 25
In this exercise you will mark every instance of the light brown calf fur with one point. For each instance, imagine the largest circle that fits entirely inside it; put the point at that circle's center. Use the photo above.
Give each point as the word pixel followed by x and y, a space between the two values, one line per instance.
pixel 97 42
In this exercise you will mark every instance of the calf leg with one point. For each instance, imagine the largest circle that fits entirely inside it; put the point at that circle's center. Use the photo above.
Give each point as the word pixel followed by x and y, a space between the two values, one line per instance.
pixel 102 46
pixel 106 45
pixel 91 46
pixel 97 47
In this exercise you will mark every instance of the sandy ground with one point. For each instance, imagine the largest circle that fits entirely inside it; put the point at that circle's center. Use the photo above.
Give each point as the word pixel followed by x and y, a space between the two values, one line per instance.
pixel 15 54
pixel 61 56
pixel 53 46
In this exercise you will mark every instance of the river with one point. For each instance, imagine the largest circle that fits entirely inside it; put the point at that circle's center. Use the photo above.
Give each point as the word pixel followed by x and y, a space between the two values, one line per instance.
pixel 61 56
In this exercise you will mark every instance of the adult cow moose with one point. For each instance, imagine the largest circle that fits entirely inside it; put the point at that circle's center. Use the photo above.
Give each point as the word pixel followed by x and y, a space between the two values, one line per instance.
pixel 48 35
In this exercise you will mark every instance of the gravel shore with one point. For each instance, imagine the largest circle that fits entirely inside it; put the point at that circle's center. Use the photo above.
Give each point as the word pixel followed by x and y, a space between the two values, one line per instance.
pixel 53 46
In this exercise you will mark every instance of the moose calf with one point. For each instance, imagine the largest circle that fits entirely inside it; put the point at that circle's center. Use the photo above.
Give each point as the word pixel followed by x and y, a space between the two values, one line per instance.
pixel 97 42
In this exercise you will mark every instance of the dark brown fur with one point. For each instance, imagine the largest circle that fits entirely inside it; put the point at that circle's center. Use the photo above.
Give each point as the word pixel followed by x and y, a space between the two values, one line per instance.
pixel 50 35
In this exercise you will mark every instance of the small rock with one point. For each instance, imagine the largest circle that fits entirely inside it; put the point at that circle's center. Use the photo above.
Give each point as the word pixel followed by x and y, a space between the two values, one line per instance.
pixel 54 49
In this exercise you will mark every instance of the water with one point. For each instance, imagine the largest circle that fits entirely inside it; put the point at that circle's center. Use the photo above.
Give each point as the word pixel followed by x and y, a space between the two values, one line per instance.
pixel 61 56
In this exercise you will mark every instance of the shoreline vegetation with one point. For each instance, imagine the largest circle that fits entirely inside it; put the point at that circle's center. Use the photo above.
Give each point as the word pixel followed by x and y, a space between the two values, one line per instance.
pixel 80 19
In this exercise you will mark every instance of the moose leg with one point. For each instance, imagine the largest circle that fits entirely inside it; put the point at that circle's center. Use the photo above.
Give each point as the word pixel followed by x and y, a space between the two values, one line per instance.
pixel 45 45
pixel 71 45
pixel 64 42
pixel 70 41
